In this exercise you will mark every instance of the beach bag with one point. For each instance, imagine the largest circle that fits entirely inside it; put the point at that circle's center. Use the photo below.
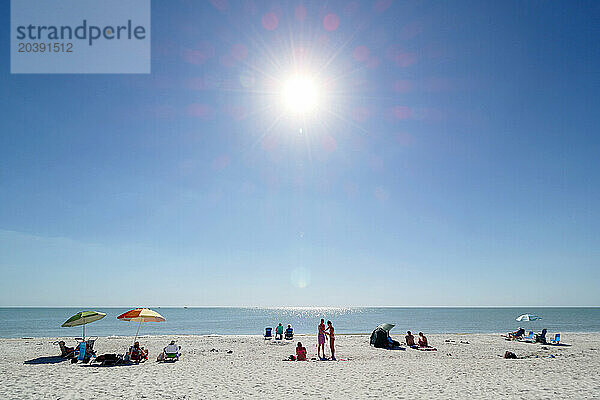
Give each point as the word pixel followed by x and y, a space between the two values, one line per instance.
pixel 379 338
pixel 510 354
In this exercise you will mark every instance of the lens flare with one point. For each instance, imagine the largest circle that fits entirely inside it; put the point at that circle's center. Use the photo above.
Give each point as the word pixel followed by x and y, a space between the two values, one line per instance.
pixel 300 94
pixel 300 277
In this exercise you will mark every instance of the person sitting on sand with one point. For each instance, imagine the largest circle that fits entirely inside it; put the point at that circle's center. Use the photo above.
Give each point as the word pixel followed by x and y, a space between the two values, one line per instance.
pixel 331 339
pixel 422 340
pixel 279 332
pixel 410 339
pixel 300 352
pixel 321 339
pixel 516 334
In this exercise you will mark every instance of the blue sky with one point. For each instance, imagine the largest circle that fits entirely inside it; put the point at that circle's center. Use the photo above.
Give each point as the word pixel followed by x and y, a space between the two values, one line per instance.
pixel 453 161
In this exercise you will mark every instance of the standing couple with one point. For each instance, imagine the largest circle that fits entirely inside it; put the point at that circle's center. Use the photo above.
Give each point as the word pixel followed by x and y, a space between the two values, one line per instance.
pixel 321 336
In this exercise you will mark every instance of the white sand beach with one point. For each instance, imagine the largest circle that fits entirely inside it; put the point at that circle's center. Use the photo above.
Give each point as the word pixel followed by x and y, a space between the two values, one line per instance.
pixel 255 369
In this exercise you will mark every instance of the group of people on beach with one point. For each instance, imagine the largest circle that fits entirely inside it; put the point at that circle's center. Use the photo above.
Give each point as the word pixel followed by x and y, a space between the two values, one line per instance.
pixel 289 332
pixel 135 354
pixel 324 332
pixel 410 340
pixel 519 334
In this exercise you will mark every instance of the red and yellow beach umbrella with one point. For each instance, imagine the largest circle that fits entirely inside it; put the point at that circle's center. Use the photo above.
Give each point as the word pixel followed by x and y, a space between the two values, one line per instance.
pixel 141 315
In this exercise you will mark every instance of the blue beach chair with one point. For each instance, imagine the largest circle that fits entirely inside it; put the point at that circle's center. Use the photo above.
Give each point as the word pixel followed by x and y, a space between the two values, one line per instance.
pixel 556 339
pixel 289 334
pixel 268 333
pixel 86 350
pixel 529 337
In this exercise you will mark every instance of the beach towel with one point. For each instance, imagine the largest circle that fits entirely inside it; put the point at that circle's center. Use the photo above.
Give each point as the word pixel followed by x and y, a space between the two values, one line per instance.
pixel 82 347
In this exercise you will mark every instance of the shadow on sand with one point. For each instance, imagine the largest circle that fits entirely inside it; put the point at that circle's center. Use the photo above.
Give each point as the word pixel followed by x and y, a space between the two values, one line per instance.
pixel 46 360
pixel 98 365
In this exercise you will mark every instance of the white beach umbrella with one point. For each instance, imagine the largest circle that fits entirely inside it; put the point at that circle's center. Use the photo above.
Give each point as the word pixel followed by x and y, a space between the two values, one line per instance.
pixel 528 317
pixel 386 327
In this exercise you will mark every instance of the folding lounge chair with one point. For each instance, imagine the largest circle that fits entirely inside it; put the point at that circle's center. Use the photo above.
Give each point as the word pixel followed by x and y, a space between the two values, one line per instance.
pixel 90 346
pixel 556 339
pixel 268 333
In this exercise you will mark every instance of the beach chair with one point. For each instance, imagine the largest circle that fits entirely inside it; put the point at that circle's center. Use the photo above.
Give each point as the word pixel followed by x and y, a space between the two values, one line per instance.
pixel 556 339
pixel 82 348
pixel 90 345
pixel 86 350
pixel 66 352
pixel 268 333
pixel 289 334
pixel 171 353
pixel 529 337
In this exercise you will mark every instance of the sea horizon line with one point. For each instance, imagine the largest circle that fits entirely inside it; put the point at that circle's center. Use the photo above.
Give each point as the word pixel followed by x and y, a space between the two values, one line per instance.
pixel 299 307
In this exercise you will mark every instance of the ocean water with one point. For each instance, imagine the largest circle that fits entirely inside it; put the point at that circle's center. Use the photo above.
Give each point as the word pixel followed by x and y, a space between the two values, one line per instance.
pixel 45 322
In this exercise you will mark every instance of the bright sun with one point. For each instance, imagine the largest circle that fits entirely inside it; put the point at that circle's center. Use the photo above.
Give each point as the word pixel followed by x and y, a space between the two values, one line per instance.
pixel 300 95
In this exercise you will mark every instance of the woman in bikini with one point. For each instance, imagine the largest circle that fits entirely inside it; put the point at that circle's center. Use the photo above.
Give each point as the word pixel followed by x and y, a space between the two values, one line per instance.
pixel 331 339
pixel 300 352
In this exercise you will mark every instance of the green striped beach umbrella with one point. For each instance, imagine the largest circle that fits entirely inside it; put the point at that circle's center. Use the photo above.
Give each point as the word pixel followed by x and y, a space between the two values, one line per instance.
pixel 83 318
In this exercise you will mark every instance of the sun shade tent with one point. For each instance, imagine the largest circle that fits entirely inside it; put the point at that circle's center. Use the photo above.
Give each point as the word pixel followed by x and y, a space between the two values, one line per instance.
pixel 386 327
pixel 379 337
pixel 141 315
pixel 528 317
pixel 83 318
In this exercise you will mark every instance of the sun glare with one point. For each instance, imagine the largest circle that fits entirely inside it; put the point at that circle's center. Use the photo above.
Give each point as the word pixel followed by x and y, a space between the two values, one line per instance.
pixel 300 95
